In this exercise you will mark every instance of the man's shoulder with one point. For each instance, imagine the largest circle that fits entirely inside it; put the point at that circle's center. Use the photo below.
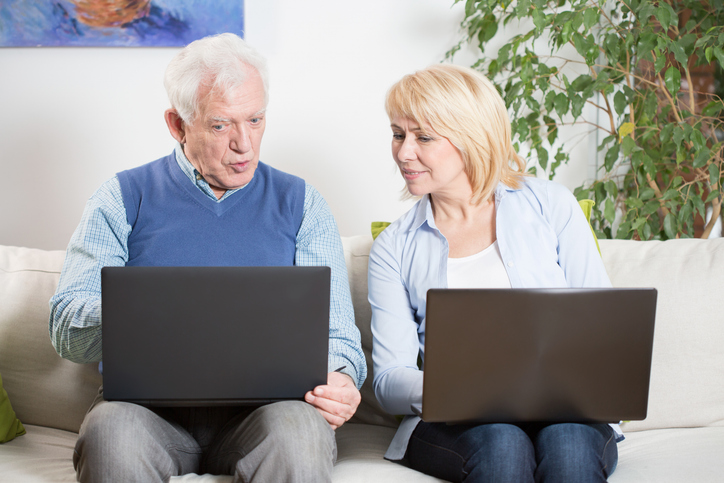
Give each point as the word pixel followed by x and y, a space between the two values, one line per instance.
pixel 278 175
pixel 148 168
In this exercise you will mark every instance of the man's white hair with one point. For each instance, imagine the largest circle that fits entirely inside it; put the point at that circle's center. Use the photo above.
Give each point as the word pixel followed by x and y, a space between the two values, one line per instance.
pixel 219 63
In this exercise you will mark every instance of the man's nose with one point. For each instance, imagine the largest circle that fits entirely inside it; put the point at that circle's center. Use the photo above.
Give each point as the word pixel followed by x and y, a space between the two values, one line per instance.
pixel 240 139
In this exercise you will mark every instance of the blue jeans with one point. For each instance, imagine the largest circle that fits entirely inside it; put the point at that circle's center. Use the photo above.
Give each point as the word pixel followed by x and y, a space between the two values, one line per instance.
pixel 565 452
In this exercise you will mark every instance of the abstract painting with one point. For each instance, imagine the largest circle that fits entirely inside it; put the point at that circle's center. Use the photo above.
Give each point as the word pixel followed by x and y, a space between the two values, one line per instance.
pixel 119 23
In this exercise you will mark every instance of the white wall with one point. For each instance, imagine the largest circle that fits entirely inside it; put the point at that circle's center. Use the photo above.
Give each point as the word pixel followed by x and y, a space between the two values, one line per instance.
pixel 70 118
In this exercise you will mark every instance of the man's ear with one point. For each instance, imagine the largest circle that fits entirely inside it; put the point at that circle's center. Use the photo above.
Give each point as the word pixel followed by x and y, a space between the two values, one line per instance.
pixel 176 125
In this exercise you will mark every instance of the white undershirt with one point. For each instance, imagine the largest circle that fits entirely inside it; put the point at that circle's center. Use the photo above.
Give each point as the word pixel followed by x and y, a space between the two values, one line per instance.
pixel 483 270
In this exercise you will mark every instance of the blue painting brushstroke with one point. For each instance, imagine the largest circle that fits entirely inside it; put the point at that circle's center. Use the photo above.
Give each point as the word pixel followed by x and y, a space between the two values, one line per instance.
pixel 169 23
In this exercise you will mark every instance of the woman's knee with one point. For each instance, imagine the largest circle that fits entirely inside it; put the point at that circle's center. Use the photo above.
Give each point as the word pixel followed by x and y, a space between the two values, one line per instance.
pixel 575 452
pixel 503 452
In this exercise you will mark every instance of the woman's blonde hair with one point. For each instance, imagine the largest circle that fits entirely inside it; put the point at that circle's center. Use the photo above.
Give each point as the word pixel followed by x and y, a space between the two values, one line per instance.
pixel 463 106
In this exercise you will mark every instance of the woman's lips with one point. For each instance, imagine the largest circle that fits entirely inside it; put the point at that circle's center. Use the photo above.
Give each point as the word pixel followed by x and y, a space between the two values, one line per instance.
pixel 408 174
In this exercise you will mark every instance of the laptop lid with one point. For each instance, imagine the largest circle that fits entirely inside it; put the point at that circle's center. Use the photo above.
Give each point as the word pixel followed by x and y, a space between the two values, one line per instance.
pixel 192 336
pixel 515 355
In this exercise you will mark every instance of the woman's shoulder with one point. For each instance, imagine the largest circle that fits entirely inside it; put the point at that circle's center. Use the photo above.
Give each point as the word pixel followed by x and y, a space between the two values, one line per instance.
pixel 544 188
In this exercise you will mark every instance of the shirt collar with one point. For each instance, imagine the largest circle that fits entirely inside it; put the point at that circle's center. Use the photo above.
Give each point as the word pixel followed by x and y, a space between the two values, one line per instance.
pixel 195 177
pixel 423 212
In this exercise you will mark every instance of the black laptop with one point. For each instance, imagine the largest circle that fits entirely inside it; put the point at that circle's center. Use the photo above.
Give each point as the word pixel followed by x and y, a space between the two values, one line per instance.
pixel 517 355
pixel 198 336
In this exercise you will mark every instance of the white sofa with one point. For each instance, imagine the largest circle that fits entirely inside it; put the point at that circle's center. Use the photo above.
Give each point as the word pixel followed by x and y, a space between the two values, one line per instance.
pixel 682 440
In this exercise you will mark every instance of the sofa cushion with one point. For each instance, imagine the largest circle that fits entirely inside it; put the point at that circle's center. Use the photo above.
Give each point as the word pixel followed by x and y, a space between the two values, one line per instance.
pixel 687 374
pixel 46 390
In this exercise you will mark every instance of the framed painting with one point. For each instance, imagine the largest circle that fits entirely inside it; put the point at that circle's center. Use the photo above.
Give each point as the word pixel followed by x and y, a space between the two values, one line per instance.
pixel 116 23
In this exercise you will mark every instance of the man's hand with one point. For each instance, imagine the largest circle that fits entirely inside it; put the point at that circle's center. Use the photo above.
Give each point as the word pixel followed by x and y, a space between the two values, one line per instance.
pixel 337 401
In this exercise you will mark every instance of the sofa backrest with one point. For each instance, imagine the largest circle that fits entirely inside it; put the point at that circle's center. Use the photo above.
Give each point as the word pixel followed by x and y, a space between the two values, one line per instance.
pixel 43 388
pixel 687 374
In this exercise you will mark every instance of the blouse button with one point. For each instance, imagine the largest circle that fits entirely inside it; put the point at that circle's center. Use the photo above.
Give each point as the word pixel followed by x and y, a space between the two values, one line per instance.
pixel 510 264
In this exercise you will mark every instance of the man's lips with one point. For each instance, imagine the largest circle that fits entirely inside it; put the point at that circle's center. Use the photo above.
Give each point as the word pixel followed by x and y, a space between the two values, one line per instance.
pixel 240 166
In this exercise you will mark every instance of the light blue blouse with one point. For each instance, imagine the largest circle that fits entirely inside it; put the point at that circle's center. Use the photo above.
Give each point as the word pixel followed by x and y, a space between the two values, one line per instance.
pixel 544 240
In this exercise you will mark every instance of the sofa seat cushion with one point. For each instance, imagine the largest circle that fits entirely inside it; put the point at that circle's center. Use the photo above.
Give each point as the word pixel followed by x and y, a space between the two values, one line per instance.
pixel 41 455
pixel 360 457
pixel 671 456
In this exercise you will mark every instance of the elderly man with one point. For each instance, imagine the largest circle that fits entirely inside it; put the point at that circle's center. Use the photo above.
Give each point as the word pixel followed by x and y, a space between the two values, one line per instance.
pixel 211 202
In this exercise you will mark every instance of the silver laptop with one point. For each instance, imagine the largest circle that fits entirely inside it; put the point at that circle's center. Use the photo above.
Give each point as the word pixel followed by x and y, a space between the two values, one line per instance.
pixel 197 336
pixel 517 355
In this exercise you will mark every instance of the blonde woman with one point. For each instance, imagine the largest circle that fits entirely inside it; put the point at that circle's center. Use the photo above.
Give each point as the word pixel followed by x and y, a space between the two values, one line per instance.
pixel 481 223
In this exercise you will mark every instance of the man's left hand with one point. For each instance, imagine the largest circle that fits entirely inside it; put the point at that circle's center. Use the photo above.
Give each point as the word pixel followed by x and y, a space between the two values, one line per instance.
pixel 337 401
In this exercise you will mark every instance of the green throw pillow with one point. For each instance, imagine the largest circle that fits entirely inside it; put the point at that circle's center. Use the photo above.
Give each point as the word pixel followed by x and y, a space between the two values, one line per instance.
pixel 10 426
pixel 378 227
pixel 586 205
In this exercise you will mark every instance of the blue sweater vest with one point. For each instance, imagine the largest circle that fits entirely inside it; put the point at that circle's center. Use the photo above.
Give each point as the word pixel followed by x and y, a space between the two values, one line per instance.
pixel 175 224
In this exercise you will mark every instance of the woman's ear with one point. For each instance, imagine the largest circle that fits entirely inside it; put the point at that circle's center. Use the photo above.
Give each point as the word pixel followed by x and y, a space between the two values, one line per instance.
pixel 176 125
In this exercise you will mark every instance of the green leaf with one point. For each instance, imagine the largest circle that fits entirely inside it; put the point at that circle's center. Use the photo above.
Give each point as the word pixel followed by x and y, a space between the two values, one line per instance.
pixel 672 79
pixel 590 17
pixel 542 157
pixel 646 232
pixel 647 193
pixel 552 128
pixel 670 226
pixel 488 29
pixel 470 8
pixel 719 54
pixel 714 174
pixel 561 104
pixel 670 194
pixel 702 158
pixel 677 48
pixel 628 146
pixel 660 62
pixel 611 157
pixel 620 103
pixel 609 211
pixel 713 108
pixel 712 196
pixel 550 101
pixel 581 83
pixel 539 20
pixel 577 104
pixel 678 135
pixel 664 16
pixel 638 223
pixel 612 189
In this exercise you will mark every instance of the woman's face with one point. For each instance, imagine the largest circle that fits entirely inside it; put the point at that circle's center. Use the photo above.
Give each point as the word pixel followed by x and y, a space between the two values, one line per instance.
pixel 428 162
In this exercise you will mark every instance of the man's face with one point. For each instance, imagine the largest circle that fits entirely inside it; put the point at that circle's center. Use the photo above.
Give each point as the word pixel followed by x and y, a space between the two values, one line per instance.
pixel 224 140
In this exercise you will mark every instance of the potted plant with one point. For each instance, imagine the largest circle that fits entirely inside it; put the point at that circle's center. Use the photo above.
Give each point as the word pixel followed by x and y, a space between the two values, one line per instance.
pixel 641 65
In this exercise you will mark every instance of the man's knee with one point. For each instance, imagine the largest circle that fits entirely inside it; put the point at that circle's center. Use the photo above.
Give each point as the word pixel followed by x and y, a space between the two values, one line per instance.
pixel 298 428
pixel 126 442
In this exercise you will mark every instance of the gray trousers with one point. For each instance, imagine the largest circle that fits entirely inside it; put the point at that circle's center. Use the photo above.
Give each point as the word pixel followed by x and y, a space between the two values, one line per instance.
pixel 279 442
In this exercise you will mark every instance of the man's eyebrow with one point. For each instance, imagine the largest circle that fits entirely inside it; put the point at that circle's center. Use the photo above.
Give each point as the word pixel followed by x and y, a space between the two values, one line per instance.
pixel 219 119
